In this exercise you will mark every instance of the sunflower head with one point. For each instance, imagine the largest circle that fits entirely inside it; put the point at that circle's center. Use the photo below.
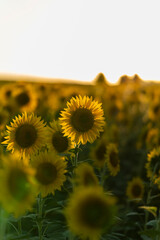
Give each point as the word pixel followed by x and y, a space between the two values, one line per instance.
pixel 90 212
pixel 17 185
pixel 112 159
pixel 153 164
pixel 50 172
pixel 98 153
pixel 153 138
pixel 6 91
pixel 85 175
pixel 26 134
pixel 56 141
pixel 82 120
pixel 135 189
pixel 25 97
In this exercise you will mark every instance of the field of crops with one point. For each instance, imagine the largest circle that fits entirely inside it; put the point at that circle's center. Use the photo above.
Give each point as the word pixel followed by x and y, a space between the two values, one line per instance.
pixel 80 161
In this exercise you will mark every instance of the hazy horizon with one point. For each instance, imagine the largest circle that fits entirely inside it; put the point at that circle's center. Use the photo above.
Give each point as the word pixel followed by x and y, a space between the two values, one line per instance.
pixel 78 39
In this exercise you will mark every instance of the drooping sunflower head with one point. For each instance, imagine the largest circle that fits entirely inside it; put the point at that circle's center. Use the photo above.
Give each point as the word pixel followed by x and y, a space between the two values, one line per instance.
pixel 17 185
pixel 56 141
pixel 90 212
pixel 153 164
pixel 98 153
pixel 26 134
pixel 85 175
pixel 82 120
pixel 135 189
pixel 112 159
pixel 50 171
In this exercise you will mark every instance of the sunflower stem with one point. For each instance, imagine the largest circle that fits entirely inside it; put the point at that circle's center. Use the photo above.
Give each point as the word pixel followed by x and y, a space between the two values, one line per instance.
pixel 20 226
pixel 40 217
pixel 149 196
pixel 3 223
pixel 158 224
pixel 71 236
pixel 76 156
pixel 103 175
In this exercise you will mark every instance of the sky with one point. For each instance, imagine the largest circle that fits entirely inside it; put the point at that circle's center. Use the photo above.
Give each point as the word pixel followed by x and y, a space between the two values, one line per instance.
pixel 77 39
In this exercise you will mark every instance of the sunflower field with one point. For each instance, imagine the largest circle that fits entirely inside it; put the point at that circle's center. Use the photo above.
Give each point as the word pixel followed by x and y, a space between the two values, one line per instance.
pixel 80 161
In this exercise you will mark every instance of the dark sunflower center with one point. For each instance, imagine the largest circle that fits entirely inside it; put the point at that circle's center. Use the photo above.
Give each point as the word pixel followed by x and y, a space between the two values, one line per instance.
pixel 114 159
pixel 100 152
pixel 136 190
pixel 59 142
pixel 22 99
pixel 46 173
pixel 8 93
pixel 42 88
pixel 82 120
pixel 89 179
pixel 156 109
pixel 18 184
pixel 155 165
pixel 113 110
pixel 94 213
pixel 26 135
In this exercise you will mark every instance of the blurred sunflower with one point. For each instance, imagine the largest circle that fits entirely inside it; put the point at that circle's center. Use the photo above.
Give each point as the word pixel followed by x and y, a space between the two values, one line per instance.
pixel 90 212
pixel 4 116
pixel 153 164
pixel 17 185
pixel 153 138
pixel 56 141
pixel 98 153
pixel 6 91
pixel 112 159
pixel 85 175
pixel 82 120
pixel 26 134
pixel 154 110
pixel 135 189
pixel 50 172
pixel 25 98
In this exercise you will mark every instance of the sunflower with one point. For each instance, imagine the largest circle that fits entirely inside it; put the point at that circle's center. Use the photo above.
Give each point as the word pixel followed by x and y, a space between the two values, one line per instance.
pixel 153 164
pixel 85 175
pixel 26 134
pixel 56 141
pixel 98 153
pixel 82 120
pixel 112 159
pixel 90 212
pixel 50 172
pixel 154 110
pixel 135 189
pixel 25 98
pixel 4 116
pixel 153 138
pixel 6 91
pixel 17 185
